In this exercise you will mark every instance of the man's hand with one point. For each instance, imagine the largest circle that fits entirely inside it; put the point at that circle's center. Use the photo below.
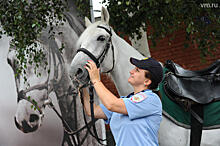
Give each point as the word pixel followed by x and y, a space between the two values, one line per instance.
pixel 93 71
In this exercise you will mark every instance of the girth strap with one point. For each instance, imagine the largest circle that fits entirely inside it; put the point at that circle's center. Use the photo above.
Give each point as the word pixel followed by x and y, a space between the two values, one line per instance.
pixel 196 126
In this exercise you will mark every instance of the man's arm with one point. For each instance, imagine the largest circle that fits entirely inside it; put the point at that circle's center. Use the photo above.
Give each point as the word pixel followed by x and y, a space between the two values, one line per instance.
pixel 109 100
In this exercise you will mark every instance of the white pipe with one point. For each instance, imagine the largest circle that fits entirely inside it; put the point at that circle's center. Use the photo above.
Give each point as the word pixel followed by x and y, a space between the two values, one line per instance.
pixel 91 11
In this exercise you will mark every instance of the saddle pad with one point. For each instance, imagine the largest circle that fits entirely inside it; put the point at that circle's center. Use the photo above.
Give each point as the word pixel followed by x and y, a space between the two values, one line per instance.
pixel 182 118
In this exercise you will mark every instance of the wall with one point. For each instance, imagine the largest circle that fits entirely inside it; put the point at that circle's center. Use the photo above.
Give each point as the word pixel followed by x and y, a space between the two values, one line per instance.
pixel 189 58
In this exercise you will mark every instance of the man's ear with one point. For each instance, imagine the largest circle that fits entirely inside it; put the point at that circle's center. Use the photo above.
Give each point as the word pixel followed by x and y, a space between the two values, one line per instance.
pixel 147 82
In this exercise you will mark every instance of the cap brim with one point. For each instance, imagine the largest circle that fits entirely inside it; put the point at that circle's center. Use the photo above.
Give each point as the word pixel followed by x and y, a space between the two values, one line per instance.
pixel 135 62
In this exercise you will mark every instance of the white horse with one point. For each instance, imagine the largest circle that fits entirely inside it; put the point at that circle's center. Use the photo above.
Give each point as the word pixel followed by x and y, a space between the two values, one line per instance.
pixel 28 119
pixel 95 39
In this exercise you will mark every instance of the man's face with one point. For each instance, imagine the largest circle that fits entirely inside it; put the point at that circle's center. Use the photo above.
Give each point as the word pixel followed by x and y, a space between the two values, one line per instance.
pixel 137 77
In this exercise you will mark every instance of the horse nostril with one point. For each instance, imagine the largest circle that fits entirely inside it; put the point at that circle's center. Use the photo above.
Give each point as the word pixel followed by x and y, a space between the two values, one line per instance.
pixel 79 72
pixel 26 128
pixel 33 118
pixel 16 123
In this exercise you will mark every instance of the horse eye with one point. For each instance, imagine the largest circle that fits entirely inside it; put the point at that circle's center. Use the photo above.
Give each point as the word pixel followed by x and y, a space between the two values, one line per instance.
pixel 101 38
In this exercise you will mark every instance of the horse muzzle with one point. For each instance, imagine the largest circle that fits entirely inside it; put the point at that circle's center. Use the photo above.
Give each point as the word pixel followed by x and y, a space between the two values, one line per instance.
pixel 25 127
pixel 79 74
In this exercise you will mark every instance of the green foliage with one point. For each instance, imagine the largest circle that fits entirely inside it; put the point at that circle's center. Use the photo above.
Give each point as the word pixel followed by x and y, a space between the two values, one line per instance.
pixel 24 20
pixel 34 103
pixel 201 20
pixel 83 6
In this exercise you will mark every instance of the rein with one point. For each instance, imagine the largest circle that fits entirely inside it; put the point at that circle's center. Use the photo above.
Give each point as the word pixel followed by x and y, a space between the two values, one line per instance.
pixel 87 125
pixel 93 120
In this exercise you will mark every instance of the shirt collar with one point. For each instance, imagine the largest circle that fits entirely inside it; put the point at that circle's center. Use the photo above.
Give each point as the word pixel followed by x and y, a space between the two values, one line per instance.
pixel 131 94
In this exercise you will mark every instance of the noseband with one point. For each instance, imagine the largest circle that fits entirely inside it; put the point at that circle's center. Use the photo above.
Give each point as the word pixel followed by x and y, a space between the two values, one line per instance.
pixel 101 57
pixel 22 95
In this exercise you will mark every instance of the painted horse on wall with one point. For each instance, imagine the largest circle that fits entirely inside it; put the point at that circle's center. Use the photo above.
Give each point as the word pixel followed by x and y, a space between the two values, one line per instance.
pixel 36 91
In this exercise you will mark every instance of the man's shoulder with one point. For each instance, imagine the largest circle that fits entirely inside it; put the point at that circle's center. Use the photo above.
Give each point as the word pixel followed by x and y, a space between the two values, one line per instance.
pixel 139 97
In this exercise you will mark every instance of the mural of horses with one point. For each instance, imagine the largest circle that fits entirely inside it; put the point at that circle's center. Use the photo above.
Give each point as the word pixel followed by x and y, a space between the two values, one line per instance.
pixel 56 83
pixel 29 120
pixel 101 44
pixel 10 135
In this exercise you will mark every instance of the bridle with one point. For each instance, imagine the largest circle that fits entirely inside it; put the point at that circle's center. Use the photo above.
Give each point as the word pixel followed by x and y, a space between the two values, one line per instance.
pixel 101 57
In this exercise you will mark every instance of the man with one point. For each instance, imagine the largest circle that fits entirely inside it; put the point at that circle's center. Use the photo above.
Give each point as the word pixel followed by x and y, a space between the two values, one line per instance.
pixel 134 119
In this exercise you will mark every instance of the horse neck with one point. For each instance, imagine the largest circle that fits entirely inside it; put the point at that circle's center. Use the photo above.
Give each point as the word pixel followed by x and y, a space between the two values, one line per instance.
pixel 120 74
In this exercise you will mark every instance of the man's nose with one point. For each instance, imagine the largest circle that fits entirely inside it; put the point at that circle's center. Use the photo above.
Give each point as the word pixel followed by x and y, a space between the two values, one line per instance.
pixel 132 71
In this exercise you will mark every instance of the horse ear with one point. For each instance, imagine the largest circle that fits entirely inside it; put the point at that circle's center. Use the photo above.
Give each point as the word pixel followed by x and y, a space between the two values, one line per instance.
pixel 12 59
pixel 105 15
pixel 87 22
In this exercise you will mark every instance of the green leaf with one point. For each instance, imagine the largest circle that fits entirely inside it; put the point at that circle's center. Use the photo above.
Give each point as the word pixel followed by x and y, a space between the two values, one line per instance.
pixel 168 1
pixel 33 25
pixel 127 3
pixel 188 29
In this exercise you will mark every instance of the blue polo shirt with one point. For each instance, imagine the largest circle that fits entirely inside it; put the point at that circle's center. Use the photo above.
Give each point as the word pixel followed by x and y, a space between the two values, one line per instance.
pixel 140 127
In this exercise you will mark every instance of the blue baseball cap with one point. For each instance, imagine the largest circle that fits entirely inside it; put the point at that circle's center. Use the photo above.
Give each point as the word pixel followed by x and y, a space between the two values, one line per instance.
pixel 151 65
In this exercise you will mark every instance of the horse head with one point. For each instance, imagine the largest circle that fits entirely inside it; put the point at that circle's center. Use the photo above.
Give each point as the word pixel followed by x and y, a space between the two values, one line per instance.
pixel 95 43
pixel 27 117
pixel 32 95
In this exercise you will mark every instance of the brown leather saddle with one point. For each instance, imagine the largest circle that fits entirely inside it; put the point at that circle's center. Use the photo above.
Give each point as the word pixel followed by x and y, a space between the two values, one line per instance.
pixel 192 90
